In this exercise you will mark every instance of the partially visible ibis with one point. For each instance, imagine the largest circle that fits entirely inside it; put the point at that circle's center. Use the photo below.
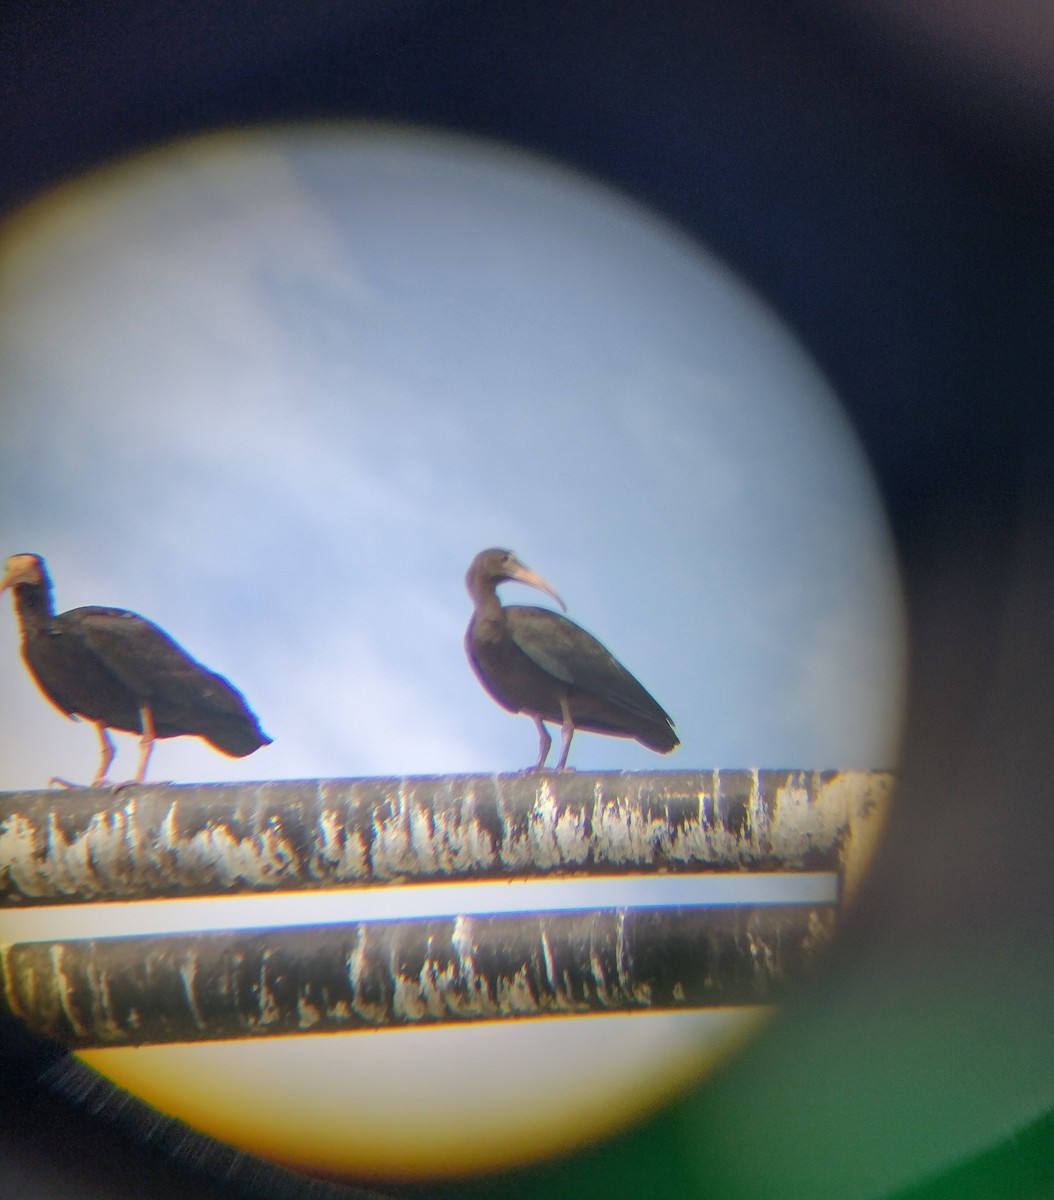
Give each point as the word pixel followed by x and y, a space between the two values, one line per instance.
pixel 121 671
pixel 535 661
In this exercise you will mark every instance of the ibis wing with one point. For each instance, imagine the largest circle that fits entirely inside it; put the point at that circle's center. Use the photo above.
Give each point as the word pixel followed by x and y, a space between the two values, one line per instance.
pixel 542 636
pixel 568 653
pixel 151 664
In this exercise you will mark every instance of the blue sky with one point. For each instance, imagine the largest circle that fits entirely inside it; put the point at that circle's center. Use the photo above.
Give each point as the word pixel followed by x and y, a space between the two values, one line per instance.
pixel 275 389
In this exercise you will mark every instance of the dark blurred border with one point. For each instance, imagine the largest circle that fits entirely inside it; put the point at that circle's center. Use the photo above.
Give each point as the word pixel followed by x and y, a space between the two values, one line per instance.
pixel 885 179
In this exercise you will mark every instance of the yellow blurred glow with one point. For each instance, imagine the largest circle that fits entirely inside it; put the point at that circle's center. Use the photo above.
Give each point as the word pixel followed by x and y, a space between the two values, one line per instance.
pixel 425 1103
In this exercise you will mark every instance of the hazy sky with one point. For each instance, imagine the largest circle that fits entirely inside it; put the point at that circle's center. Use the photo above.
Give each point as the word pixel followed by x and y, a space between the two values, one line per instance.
pixel 275 390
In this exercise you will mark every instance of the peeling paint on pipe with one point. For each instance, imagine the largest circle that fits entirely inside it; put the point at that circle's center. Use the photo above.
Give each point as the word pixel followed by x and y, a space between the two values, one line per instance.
pixel 155 841
pixel 366 975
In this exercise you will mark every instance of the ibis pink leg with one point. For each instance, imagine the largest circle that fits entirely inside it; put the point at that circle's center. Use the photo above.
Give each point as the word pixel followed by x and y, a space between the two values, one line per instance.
pixel 106 753
pixel 146 742
pixel 544 742
pixel 567 731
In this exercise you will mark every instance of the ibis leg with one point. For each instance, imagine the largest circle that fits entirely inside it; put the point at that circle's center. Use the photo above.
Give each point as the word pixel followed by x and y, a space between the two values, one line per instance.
pixel 544 742
pixel 105 754
pixel 146 742
pixel 567 731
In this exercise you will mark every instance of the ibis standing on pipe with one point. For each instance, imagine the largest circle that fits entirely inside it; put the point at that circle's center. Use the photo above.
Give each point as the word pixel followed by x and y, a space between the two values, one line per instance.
pixel 535 661
pixel 120 671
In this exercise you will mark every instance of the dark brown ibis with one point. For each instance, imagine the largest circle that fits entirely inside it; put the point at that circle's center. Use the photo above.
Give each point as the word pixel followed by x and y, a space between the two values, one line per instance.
pixel 535 661
pixel 121 671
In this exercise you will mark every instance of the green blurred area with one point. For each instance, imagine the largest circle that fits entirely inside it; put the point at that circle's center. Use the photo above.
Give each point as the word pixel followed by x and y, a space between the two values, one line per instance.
pixel 929 1082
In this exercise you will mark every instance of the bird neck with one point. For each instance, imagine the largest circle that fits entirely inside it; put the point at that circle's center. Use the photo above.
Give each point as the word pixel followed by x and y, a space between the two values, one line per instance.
pixel 33 607
pixel 488 607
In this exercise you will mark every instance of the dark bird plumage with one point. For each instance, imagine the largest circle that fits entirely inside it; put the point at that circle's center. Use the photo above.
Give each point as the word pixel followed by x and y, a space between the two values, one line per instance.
pixel 121 671
pixel 535 661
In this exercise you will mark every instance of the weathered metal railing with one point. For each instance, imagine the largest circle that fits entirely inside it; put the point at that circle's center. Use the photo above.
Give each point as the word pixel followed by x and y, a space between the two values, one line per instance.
pixel 390 838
